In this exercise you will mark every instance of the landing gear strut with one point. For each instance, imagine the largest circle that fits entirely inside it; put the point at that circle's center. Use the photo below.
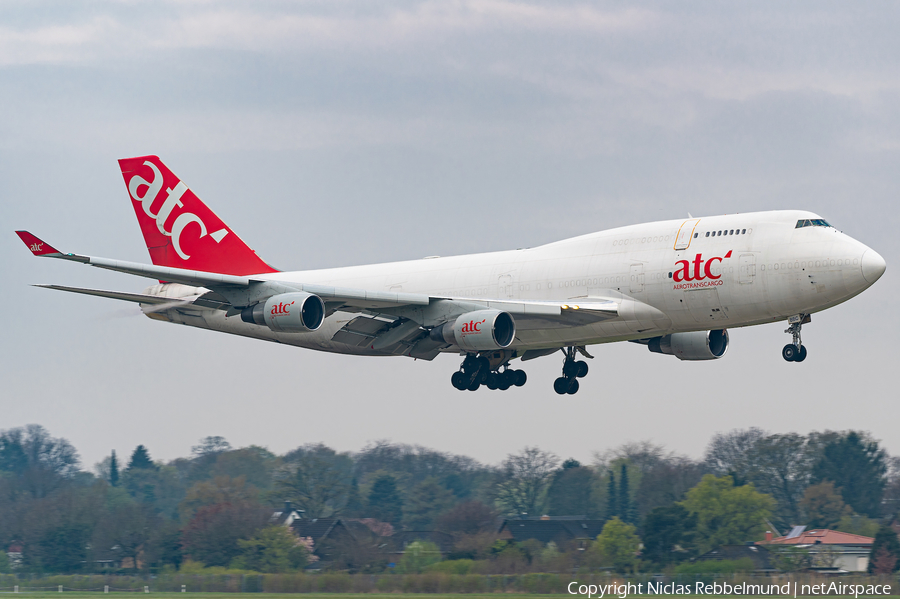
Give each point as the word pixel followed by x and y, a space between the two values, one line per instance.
pixel 477 370
pixel 795 351
pixel 572 370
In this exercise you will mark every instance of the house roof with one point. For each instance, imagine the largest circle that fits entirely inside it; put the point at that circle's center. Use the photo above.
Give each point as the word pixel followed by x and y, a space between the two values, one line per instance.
pixel 552 530
pixel 821 536
pixel 315 528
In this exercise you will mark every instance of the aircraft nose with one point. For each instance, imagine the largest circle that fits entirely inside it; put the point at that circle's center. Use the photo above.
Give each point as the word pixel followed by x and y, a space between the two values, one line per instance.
pixel 872 266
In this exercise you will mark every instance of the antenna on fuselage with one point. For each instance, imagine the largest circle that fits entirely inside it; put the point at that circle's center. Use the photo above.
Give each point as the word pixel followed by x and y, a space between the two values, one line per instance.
pixel 690 215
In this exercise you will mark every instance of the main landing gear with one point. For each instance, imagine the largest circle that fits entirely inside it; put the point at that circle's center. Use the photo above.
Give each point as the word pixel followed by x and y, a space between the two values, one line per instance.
pixel 479 370
pixel 572 371
pixel 795 351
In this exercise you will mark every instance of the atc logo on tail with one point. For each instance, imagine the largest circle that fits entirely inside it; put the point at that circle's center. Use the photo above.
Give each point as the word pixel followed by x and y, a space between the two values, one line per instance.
pixel 176 224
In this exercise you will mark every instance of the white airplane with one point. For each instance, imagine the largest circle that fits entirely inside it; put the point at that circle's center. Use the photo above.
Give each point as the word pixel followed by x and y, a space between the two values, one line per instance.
pixel 675 286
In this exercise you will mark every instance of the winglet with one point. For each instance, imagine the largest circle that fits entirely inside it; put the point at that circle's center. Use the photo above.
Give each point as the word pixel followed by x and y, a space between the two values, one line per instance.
pixel 37 246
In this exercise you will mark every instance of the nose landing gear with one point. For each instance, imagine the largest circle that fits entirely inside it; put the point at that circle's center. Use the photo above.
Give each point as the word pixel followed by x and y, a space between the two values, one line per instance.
pixel 795 351
pixel 572 371
pixel 477 370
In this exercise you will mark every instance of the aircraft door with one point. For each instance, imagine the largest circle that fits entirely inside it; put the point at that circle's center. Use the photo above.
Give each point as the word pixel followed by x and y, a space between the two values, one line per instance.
pixel 637 278
pixel 748 268
pixel 685 234
pixel 505 286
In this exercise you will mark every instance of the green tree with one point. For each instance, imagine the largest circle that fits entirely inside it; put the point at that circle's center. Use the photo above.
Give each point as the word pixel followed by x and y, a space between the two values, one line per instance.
pixel 126 529
pixel 823 505
pixel 726 515
pixel 273 550
pixel 857 525
pixel 570 493
pixel 618 545
pixel 384 502
pixel 140 460
pixel 255 464
pixel 159 487
pixel 885 555
pixel 425 503
pixel 858 467
pixel 624 501
pixel 355 507
pixel 612 508
pixel 417 556
pixel 665 529
pixel 524 479
pixel 113 469
pixel 36 463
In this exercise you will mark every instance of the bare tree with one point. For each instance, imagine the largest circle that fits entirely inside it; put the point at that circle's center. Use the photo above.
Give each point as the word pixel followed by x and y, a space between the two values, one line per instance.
pixel 729 453
pixel 524 479
pixel 317 480
pixel 781 466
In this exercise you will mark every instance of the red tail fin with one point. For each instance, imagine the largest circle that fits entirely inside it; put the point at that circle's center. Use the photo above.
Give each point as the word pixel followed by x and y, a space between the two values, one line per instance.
pixel 179 229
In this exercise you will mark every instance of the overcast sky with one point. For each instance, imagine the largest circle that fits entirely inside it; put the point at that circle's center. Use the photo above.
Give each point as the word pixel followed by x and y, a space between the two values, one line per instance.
pixel 335 133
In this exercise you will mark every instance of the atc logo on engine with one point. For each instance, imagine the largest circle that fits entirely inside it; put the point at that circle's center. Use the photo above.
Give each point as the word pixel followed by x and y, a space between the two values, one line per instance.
pixel 472 327
pixel 280 308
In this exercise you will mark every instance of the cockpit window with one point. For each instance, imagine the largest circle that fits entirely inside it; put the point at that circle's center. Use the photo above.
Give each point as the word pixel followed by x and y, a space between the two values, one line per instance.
pixel 812 222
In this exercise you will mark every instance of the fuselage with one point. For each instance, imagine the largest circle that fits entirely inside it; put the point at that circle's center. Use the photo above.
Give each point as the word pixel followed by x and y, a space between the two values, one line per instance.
pixel 669 276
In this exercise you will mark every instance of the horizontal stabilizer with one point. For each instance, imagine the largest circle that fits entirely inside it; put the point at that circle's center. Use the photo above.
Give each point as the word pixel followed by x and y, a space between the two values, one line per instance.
pixel 139 298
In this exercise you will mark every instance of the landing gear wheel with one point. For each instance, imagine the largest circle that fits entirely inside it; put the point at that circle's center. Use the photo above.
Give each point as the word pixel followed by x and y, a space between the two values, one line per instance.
pixel 474 385
pixel 790 352
pixel 492 381
pixel 795 351
pixel 572 387
pixel 521 377
pixel 570 369
pixel 561 385
pixel 457 379
pixel 581 369
pixel 503 382
pixel 509 376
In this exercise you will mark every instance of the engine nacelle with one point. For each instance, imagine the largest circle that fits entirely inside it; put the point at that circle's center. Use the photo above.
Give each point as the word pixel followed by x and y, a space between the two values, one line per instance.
pixel 699 345
pixel 298 312
pixel 478 331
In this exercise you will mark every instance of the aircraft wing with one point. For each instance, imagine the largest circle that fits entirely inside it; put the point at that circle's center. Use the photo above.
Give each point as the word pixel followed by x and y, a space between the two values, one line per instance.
pixel 242 291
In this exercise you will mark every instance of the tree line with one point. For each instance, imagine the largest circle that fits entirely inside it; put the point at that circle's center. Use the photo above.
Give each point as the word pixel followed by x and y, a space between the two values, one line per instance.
pixel 214 507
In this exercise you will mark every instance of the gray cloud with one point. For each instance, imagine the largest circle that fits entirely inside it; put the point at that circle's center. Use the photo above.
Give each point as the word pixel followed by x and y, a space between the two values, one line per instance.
pixel 417 128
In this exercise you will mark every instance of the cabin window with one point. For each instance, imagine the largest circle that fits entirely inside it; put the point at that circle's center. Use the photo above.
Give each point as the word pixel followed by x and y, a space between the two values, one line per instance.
pixel 707 233
pixel 743 232
pixel 696 235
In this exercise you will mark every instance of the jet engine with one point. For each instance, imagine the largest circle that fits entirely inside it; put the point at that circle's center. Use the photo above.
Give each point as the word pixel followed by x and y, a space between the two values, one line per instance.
pixel 699 345
pixel 287 313
pixel 478 331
